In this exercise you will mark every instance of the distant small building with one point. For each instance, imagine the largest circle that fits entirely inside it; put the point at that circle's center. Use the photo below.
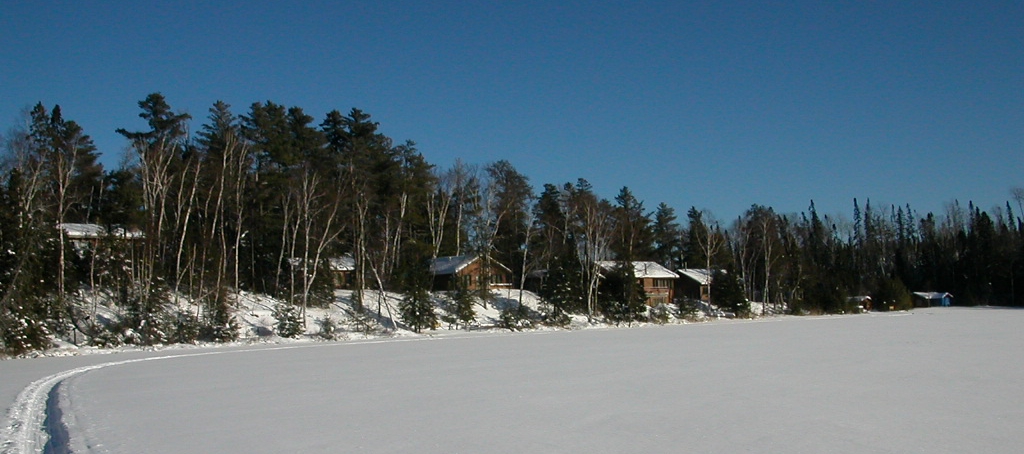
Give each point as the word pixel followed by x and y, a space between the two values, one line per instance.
pixel 343 271
pixel 470 271
pixel 863 301
pixel 88 236
pixel 657 281
pixel 534 281
pixel 929 299
pixel 694 283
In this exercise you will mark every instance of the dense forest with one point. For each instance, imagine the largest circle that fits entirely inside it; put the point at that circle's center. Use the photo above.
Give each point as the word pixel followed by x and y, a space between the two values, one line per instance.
pixel 261 201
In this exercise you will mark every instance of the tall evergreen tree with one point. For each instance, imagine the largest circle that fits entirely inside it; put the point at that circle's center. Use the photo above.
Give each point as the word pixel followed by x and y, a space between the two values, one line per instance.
pixel 727 292
pixel 68 179
pixel 622 298
pixel 511 200
pixel 634 238
pixel 667 237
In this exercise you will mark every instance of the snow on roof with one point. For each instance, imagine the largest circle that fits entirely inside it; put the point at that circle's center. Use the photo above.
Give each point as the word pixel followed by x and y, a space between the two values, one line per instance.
pixel 82 230
pixel 701 275
pixel 91 231
pixel 641 270
pixel 933 295
pixel 443 266
pixel 343 263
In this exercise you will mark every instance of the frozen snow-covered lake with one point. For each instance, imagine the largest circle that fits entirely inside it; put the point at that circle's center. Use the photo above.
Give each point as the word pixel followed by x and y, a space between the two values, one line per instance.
pixel 933 380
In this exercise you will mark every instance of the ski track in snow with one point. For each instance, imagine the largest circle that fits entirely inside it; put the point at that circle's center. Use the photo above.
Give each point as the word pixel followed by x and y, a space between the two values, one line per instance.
pixel 24 432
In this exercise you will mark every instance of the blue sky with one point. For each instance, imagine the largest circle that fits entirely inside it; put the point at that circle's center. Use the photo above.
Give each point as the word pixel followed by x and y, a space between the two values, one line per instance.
pixel 717 105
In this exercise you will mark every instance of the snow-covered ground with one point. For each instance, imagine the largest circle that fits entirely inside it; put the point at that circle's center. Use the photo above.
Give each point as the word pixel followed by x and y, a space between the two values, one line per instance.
pixel 931 380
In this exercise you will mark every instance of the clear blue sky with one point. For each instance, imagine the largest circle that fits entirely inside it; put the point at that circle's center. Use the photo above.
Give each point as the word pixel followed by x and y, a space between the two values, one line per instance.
pixel 717 105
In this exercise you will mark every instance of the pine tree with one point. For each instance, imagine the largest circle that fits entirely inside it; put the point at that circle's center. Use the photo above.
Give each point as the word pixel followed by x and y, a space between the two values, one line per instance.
pixel 666 234
pixel 634 237
pixel 511 199
pixel 417 310
pixel 29 310
pixel 892 293
pixel 727 293
pixel 289 320
pixel 622 298
pixel 561 291
pixel 462 304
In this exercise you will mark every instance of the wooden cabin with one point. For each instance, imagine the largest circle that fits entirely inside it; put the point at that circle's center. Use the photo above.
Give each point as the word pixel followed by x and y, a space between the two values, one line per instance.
pixel 657 281
pixel 694 283
pixel 469 270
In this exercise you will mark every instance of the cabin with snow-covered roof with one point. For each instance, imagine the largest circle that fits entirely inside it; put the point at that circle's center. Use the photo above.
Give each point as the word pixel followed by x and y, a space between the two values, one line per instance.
pixel 656 280
pixel 88 236
pixel 342 269
pixel 694 283
pixel 469 271
pixel 930 299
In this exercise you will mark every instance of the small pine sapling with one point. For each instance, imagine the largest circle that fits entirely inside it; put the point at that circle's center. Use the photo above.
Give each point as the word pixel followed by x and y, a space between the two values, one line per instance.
pixel 327 327
pixel 417 310
pixel 462 305
pixel 289 322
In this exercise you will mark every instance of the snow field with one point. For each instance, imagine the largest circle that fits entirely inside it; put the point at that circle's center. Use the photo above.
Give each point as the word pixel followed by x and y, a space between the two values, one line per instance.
pixel 935 380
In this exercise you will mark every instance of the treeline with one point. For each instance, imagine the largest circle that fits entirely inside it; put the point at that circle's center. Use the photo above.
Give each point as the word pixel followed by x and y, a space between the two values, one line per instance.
pixel 262 201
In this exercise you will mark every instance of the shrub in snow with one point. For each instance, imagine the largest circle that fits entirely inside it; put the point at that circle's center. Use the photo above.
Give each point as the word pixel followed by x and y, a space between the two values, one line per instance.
pixel 327 327
pixel 289 321
pixel 58 314
pixel 21 333
pixel 361 322
pixel 515 317
pixel 659 314
pixel 552 315
pixel 104 333
pixel 559 319
pixel 147 320
pixel 220 332
pixel 219 325
pixel 449 320
pixel 460 310
pixel 186 328
pixel 151 330
pixel 106 338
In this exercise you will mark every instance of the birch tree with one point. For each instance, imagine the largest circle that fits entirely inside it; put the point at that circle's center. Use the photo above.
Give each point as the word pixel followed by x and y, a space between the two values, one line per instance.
pixel 593 226
pixel 157 155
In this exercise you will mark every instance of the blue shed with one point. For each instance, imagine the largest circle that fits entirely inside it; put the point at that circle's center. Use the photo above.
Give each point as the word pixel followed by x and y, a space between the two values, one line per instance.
pixel 929 299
